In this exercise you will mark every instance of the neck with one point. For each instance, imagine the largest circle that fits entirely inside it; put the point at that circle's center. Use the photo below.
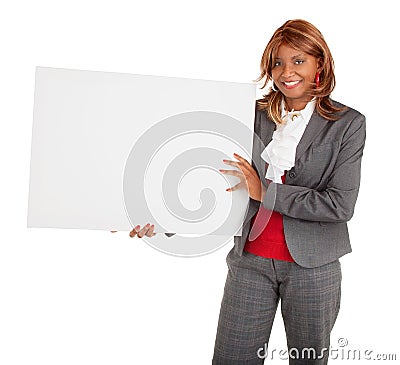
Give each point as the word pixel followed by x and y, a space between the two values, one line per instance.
pixel 294 104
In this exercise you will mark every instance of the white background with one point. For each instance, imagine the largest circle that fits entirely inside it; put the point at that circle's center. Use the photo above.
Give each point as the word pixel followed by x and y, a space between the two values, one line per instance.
pixel 92 297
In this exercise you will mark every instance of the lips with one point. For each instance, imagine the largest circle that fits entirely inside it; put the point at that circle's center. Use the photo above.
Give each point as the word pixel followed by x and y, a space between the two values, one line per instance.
pixel 291 84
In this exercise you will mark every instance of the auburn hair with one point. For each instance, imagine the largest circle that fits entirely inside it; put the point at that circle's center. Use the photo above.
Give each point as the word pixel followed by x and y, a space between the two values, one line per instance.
pixel 305 37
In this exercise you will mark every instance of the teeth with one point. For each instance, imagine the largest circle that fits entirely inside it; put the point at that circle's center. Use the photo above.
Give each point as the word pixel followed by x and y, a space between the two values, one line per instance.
pixel 292 83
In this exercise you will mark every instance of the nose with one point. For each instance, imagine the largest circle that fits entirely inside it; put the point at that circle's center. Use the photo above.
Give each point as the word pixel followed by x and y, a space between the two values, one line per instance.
pixel 287 70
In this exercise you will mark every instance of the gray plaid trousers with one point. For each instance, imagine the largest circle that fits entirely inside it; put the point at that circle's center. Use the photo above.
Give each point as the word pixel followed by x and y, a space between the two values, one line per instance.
pixel 310 300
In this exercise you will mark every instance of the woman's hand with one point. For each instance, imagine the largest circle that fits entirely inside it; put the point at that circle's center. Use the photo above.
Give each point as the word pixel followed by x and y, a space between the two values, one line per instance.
pixel 147 230
pixel 249 178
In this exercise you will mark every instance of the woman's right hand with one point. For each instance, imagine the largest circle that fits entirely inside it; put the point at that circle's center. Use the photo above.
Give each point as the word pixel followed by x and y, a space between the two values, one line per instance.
pixel 147 230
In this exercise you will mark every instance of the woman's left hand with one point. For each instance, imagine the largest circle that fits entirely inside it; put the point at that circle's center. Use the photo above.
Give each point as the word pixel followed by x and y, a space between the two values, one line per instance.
pixel 249 178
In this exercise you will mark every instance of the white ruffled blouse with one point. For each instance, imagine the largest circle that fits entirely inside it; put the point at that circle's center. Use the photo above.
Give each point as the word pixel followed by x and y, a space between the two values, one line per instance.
pixel 280 153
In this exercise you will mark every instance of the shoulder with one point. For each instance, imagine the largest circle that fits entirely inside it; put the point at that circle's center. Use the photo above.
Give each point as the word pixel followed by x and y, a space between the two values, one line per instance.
pixel 348 114
pixel 261 113
pixel 261 107
pixel 350 120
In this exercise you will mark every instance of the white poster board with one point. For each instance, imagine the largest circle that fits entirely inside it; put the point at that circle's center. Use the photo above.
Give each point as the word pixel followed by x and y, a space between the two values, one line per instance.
pixel 87 126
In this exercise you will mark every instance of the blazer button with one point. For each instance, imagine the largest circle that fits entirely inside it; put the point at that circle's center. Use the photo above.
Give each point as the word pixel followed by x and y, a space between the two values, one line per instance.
pixel 292 174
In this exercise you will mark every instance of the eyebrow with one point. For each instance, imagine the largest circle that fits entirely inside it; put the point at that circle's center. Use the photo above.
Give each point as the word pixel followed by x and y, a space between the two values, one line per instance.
pixel 296 56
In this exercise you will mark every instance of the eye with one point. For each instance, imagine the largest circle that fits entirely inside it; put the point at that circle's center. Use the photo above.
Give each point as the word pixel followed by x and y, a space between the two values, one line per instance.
pixel 299 62
pixel 277 63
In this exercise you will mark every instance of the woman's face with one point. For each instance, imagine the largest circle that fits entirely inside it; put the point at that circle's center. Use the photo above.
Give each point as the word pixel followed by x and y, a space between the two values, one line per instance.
pixel 293 72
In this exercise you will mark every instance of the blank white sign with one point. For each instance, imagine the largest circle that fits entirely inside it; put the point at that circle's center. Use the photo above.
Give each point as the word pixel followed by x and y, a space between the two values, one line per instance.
pixel 87 126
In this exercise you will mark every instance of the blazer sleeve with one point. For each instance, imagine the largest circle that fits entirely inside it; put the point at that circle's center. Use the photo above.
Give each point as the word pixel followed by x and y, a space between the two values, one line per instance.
pixel 257 147
pixel 336 203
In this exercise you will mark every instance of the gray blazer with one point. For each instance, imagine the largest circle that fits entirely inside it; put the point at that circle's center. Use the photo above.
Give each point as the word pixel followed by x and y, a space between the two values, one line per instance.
pixel 320 191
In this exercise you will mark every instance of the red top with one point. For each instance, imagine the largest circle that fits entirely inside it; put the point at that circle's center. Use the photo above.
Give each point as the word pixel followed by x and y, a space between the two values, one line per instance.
pixel 271 242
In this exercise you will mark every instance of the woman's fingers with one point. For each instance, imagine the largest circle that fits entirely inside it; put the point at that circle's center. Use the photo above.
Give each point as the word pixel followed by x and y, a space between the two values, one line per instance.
pixel 240 158
pixel 249 178
pixel 241 161
pixel 242 164
pixel 143 231
pixel 236 173
pixel 140 232
pixel 150 232
pixel 147 230
pixel 134 231
pixel 237 186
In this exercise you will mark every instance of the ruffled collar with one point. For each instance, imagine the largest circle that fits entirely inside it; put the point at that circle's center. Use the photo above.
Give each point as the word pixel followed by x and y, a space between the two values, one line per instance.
pixel 281 151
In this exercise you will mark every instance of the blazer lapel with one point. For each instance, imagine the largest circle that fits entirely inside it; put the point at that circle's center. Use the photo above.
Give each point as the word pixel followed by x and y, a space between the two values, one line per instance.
pixel 267 128
pixel 314 127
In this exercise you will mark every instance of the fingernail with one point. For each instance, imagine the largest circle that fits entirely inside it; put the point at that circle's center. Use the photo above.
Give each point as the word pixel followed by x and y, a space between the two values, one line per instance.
pixel 137 227
pixel 228 189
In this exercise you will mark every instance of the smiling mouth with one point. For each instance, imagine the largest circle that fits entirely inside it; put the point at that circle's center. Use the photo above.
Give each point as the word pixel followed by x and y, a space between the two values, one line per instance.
pixel 291 84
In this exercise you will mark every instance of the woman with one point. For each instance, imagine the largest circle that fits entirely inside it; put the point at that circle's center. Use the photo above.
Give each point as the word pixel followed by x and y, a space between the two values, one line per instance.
pixel 309 150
